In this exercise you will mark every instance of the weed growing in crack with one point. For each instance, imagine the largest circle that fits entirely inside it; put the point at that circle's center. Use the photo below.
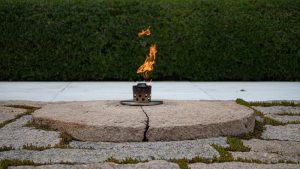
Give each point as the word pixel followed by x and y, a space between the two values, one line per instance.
pixel 128 160
pixel 4 164
pixel 29 111
pixel 236 144
pixel 5 148
pixel 36 148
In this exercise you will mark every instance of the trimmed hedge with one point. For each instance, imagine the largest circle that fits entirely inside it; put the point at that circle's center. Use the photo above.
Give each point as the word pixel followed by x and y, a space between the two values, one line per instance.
pixel 196 39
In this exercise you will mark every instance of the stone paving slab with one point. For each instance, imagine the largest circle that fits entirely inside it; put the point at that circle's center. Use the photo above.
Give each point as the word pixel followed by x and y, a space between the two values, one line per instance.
pixel 156 164
pixel 265 157
pixel 9 113
pixel 274 113
pixel 239 165
pixel 289 132
pixel 273 146
pixel 99 152
pixel 174 120
pixel 184 120
pixel 16 136
pixel 158 150
pixel 94 120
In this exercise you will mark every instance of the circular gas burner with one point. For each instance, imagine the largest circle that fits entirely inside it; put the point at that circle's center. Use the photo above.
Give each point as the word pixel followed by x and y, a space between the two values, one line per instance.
pixel 133 103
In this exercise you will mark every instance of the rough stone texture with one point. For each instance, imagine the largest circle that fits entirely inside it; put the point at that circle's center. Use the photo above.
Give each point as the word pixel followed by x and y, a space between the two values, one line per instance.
pixel 273 146
pixel 278 109
pixel 9 113
pixel 94 120
pixel 174 120
pixel 239 165
pixel 265 157
pixel 290 132
pixel 158 150
pixel 183 120
pixel 274 111
pixel 157 164
pixel 15 135
pixel 89 152
pixel 23 102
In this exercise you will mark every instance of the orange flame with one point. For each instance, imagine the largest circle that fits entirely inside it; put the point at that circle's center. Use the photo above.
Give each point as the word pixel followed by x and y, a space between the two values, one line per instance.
pixel 146 68
pixel 146 32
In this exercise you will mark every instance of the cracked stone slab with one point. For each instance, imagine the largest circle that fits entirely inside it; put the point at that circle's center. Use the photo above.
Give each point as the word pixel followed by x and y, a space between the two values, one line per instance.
pixel 16 136
pixel 156 164
pixel 9 113
pixel 185 120
pixel 174 120
pixel 235 165
pixel 158 150
pixel 274 113
pixel 273 146
pixel 289 132
pixel 99 152
pixel 94 120
pixel 265 157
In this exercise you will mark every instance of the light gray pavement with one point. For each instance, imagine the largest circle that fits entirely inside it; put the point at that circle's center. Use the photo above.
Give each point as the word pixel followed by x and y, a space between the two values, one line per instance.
pixel 82 91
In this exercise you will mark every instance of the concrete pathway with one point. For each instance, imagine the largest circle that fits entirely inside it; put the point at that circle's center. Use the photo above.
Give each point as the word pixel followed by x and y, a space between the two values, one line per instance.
pixel 80 91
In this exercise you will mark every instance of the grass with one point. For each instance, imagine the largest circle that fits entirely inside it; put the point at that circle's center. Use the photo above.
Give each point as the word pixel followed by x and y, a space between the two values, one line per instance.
pixel 29 111
pixel 182 163
pixel 275 103
pixel 248 161
pixel 36 148
pixel 4 164
pixel 38 126
pixel 5 148
pixel 225 156
pixel 125 161
pixel 236 144
pixel 287 114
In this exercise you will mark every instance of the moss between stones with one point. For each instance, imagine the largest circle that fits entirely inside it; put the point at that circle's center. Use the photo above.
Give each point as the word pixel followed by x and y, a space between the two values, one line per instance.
pixel 4 148
pixel 4 164
pixel 287 114
pixel 29 110
pixel 36 148
pixel 125 161
pixel 236 144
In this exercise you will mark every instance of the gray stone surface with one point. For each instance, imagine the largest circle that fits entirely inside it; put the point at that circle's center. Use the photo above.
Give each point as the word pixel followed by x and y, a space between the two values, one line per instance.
pixel 174 120
pixel 265 157
pixel 273 146
pixel 157 164
pixel 274 113
pixel 89 152
pixel 94 120
pixel 9 113
pixel 289 132
pixel 158 150
pixel 278 109
pixel 239 165
pixel 183 120
pixel 15 135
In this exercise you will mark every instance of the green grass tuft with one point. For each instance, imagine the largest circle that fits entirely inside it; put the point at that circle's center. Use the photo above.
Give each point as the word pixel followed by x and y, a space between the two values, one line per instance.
pixel 35 148
pixel 182 163
pixel 128 160
pixel 225 156
pixel 4 164
pixel 236 144
pixel 5 148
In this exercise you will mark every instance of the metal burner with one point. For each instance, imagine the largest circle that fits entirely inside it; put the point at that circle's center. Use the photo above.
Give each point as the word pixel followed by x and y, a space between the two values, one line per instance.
pixel 141 96
pixel 133 103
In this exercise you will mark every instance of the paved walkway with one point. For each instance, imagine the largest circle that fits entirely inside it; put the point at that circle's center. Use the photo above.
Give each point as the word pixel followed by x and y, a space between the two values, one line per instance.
pixel 80 91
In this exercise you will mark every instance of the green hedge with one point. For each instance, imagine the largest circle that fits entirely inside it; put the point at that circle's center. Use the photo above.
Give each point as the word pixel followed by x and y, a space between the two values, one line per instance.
pixel 196 39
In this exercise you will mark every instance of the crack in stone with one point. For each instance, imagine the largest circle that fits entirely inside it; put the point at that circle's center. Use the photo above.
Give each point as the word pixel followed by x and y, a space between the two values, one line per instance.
pixel 145 139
